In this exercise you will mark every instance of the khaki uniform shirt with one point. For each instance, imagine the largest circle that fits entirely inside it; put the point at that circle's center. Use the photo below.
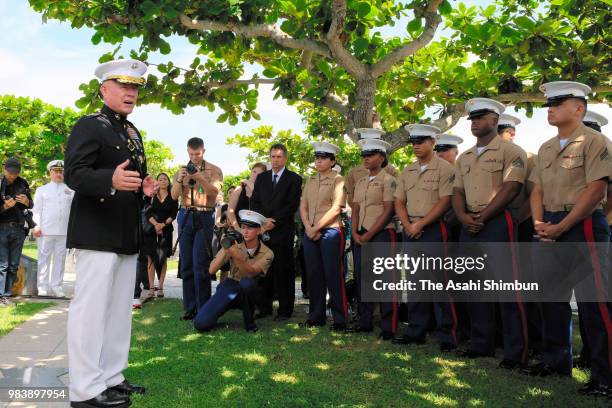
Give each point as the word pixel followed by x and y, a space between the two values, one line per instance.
pixel 321 193
pixel 202 199
pixel 356 174
pixel 565 173
pixel 371 195
pixel 482 176
pixel 422 190
pixel 520 204
pixel 263 258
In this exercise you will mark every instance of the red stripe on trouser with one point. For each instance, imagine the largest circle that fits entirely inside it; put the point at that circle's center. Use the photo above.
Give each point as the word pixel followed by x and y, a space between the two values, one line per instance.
pixel 451 301
pixel 515 275
pixel 394 302
pixel 603 308
pixel 342 289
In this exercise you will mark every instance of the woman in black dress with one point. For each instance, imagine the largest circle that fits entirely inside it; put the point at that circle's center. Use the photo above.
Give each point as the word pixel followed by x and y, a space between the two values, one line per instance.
pixel 241 197
pixel 160 214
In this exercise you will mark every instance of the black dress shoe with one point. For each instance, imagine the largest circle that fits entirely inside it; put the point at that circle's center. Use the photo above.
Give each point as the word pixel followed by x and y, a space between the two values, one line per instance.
pixel 128 388
pixel 595 389
pixel 188 316
pixel 447 347
pixel 339 327
pixel 251 328
pixel 107 399
pixel 312 323
pixel 408 340
pixel 385 335
pixel 542 370
pixel 473 354
pixel 508 364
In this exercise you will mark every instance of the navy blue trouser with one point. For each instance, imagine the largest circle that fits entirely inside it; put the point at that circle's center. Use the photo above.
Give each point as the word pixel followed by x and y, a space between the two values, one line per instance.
pixel 324 266
pixel 444 313
pixel 11 244
pixel 388 310
pixel 195 247
pixel 230 294
pixel 595 317
pixel 501 228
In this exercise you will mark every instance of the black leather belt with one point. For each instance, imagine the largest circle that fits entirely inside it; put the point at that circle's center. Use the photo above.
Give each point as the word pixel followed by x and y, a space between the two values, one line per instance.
pixel 194 208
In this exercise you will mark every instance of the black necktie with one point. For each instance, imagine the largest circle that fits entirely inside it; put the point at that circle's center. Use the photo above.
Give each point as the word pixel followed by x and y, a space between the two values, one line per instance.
pixel 274 181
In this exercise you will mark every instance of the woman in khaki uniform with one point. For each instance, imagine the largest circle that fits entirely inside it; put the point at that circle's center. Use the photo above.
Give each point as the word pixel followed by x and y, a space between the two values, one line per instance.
pixel 371 216
pixel 321 204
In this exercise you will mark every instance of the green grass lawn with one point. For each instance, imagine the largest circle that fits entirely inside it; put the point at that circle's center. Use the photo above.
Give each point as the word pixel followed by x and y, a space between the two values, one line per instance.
pixel 284 365
pixel 30 248
pixel 13 316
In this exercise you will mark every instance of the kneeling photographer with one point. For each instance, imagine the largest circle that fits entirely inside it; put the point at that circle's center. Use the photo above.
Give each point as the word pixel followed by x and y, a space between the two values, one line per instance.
pixel 15 204
pixel 249 258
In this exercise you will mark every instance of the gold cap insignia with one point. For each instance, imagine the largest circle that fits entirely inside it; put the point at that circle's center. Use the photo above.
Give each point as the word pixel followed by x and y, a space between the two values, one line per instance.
pixel 134 66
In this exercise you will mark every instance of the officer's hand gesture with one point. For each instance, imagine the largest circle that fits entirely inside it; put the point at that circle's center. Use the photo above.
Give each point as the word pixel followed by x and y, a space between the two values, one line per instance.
pixel 9 203
pixel 126 180
pixel 150 186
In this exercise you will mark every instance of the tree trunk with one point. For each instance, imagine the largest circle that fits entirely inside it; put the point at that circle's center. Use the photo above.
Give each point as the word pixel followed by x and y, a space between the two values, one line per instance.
pixel 364 103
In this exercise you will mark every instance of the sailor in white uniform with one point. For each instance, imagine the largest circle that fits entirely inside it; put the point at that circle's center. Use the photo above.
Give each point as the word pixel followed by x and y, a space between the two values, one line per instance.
pixel 51 210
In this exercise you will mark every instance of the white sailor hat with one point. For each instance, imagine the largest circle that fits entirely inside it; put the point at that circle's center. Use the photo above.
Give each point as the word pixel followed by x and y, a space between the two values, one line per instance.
pixel 419 131
pixel 325 149
pixel 337 169
pixel 595 118
pixel 55 165
pixel 478 107
pixel 371 146
pixel 370 133
pixel 506 120
pixel 446 141
pixel 558 91
pixel 128 71
pixel 251 218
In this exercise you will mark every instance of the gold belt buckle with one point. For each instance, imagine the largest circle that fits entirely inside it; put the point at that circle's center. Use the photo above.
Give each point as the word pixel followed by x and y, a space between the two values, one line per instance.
pixel 568 207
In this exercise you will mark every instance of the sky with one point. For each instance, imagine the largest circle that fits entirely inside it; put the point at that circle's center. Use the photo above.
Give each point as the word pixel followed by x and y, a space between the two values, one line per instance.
pixel 49 61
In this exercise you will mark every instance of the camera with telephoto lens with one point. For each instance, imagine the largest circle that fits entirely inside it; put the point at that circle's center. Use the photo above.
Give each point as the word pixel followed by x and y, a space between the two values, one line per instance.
pixel 191 168
pixel 27 215
pixel 230 238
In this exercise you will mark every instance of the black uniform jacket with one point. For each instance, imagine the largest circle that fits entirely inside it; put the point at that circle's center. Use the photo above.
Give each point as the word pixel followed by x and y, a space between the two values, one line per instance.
pixel 100 220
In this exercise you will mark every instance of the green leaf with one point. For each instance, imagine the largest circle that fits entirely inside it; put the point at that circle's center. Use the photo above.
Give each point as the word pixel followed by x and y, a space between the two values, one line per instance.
pixel 489 11
pixel 222 118
pixel 361 44
pixel 445 8
pixel 324 68
pixel 164 47
pixel 414 26
pixel 363 9
pixel 524 22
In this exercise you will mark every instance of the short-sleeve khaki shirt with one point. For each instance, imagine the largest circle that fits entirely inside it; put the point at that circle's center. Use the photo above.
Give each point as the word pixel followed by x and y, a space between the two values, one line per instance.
pixel 521 204
pixel 481 176
pixel 356 174
pixel 202 199
pixel 565 173
pixel 371 195
pixel 421 190
pixel 263 258
pixel 321 193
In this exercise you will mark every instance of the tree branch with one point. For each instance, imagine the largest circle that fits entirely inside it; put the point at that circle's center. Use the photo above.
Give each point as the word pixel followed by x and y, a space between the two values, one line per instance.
pixel 238 82
pixel 345 59
pixel 271 31
pixel 432 21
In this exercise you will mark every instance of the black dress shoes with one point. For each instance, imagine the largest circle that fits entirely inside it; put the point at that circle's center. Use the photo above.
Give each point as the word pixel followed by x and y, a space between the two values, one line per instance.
pixel 188 316
pixel 128 388
pixel 338 327
pixel 595 389
pixel 542 370
pixel 408 340
pixel 474 354
pixel 107 399
pixel 447 347
pixel 508 364
pixel 312 323
pixel 385 335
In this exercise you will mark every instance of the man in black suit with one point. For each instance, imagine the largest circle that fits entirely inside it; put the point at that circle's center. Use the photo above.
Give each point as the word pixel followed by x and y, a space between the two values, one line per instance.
pixel 277 197
pixel 106 167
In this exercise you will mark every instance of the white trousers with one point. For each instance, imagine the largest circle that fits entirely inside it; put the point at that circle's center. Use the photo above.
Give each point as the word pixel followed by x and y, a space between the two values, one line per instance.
pixel 51 261
pixel 100 322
